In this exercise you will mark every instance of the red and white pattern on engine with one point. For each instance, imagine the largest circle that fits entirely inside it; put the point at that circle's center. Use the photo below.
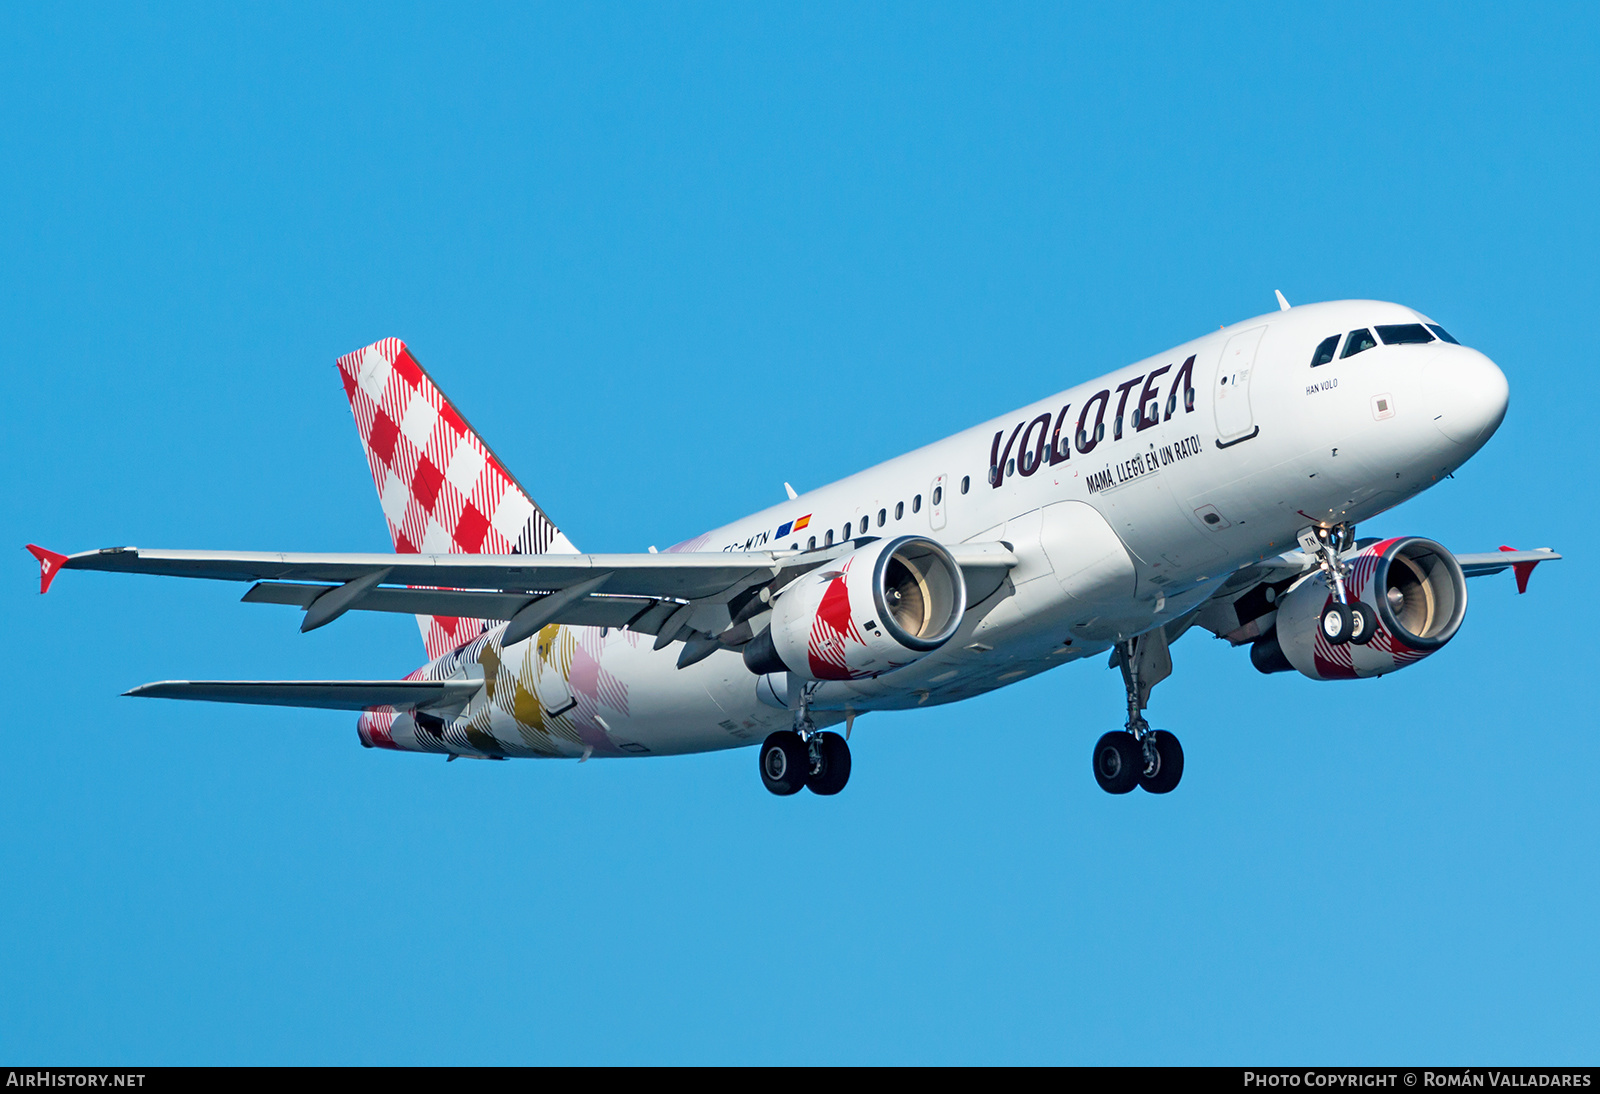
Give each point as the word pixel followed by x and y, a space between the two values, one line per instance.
pixel 1338 662
pixel 831 629
pixel 442 490
pixel 375 723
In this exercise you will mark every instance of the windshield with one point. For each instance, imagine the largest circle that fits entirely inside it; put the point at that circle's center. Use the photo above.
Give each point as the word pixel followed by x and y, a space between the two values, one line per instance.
pixel 1405 334
pixel 1358 341
pixel 1324 351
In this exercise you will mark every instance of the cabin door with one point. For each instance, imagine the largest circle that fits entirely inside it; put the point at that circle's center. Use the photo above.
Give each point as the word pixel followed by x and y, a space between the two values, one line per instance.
pixel 1230 389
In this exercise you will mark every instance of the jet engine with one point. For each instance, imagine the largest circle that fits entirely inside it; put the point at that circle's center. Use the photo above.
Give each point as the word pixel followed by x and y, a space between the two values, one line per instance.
pixel 1414 588
pixel 878 608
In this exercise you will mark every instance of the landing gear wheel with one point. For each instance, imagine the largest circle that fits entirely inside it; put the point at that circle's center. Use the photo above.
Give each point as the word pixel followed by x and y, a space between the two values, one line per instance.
pixel 1168 765
pixel 1363 624
pixel 1118 762
pixel 1337 624
pixel 835 770
pixel 785 762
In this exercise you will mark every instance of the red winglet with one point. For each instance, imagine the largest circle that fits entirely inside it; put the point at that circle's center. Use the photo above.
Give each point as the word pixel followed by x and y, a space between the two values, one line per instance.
pixel 49 565
pixel 1523 570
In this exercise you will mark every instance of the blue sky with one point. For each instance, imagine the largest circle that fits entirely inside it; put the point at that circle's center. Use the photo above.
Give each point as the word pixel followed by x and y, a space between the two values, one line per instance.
pixel 666 258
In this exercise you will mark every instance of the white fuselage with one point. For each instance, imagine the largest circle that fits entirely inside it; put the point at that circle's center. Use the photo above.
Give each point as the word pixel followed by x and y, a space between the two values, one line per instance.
pixel 1118 528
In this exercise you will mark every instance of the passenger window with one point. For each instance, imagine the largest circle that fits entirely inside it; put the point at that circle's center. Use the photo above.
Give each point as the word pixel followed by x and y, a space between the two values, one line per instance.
pixel 863 525
pixel 966 483
pixel 1442 333
pixel 1358 342
pixel 827 541
pixel 844 533
pixel 1323 355
pixel 1405 334
pixel 811 544
pixel 916 504
pixel 883 517
pixel 899 510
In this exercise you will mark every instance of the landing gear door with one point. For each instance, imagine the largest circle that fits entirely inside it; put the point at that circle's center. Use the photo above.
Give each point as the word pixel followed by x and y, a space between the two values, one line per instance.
pixel 1230 389
pixel 937 502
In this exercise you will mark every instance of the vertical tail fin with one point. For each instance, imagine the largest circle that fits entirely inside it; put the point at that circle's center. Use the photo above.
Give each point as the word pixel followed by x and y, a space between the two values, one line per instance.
pixel 443 490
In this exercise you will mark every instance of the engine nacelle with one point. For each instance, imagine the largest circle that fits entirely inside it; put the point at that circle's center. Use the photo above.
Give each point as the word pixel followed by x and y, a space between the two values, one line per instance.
pixel 878 608
pixel 1415 587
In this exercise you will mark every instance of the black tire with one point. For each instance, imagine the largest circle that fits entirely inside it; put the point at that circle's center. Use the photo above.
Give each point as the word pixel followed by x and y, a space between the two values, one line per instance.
pixel 1169 767
pixel 1363 624
pixel 785 761
pixel 1118 762
pixel 835 770
pixel 1336 624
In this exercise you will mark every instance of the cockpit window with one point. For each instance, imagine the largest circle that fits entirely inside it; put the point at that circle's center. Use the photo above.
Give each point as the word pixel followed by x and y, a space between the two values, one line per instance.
pixel 1404 334
pixel 1442 333
pixel 1325 350
pixel 1359 341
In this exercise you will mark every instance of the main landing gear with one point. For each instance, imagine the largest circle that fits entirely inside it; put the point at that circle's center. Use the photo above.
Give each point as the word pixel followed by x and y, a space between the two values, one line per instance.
pixel 804 756
pixel 1343 620
pixel 1138 755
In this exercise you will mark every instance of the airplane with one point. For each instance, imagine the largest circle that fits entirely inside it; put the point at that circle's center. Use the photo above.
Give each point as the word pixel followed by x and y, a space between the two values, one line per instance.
pixel 1215 485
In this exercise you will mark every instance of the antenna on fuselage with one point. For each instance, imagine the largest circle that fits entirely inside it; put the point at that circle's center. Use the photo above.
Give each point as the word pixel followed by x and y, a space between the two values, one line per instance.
pixel 1283 305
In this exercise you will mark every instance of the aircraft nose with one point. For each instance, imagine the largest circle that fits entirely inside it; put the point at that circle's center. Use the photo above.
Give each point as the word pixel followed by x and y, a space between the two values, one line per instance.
pixel 1468 394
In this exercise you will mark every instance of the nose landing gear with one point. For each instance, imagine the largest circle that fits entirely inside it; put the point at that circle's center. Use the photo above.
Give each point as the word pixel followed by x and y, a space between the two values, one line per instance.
pixel 1138 755
pixel 804 756
pixel 1344 620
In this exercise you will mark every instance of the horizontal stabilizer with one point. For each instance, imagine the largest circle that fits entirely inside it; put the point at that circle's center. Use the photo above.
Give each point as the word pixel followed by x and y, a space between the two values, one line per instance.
pixel 324 694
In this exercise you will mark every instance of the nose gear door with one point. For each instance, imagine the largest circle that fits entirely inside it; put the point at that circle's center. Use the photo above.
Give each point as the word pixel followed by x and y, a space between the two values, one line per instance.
pixel 1230 389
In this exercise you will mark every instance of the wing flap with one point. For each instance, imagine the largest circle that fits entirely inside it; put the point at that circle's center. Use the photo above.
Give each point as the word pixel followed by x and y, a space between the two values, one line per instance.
pixel 322 694
pixel 600 610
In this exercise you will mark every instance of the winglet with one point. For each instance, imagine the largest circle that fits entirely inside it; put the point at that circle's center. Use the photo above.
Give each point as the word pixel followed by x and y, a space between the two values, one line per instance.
pixel 1522 570
pixel 49 565
pixel 1283 305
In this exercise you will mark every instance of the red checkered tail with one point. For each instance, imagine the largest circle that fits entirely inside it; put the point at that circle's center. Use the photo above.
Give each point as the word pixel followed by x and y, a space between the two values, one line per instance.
pixel 442 489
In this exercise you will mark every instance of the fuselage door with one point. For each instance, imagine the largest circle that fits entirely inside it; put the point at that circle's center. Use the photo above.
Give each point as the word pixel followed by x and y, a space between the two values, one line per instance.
pixel 1230 390
pixel 937 502
pixel 554 694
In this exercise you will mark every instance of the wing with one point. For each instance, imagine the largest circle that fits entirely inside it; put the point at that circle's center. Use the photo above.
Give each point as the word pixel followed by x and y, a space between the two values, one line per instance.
pixel 667 595
pixel 324 694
